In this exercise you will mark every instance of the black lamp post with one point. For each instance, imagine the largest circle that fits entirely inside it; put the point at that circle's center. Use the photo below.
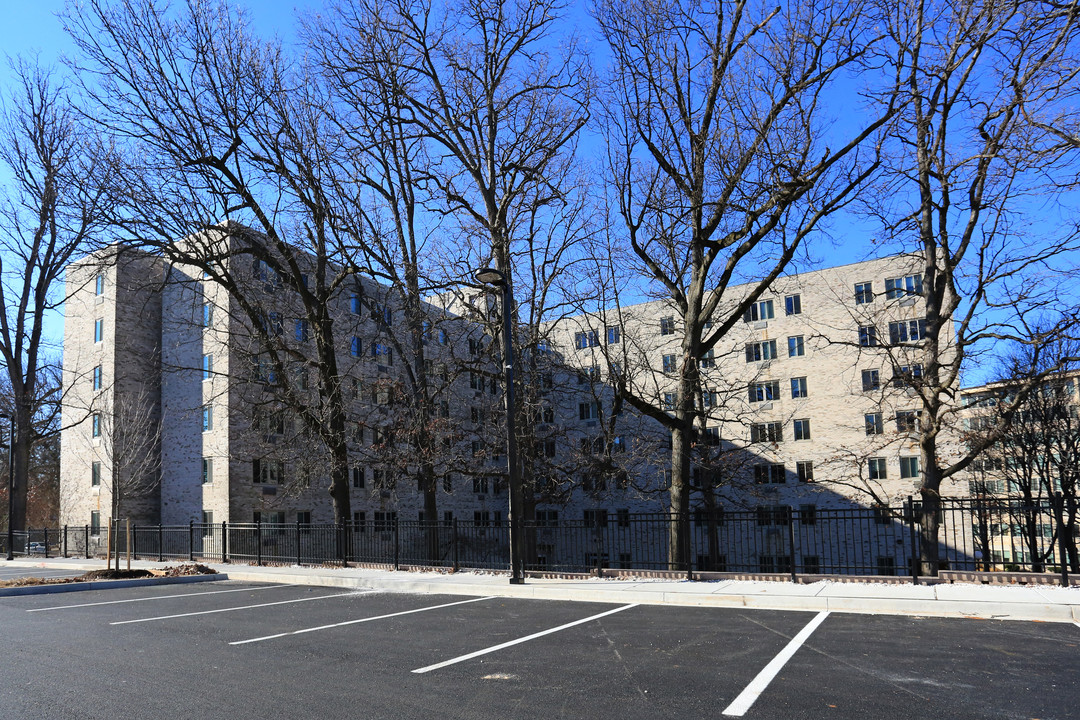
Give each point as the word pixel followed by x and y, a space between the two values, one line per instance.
pixel 497 278
pixel 11 485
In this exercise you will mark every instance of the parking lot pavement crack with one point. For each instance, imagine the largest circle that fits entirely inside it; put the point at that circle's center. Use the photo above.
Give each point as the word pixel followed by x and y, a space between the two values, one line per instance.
pixel 891 680
pixel 622 662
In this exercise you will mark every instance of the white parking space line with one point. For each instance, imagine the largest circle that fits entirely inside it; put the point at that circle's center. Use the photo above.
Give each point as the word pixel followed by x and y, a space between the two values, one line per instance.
pixel 242 607
pixel 157 597
pixel 361 620
pixel 527 638
pixel 757 686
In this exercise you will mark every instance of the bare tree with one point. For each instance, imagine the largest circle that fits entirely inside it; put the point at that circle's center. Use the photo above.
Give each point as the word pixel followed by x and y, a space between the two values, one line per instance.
pixel 987 90
pixel 227 171
pixel 128 423
pixel 719 169
pixel 51 211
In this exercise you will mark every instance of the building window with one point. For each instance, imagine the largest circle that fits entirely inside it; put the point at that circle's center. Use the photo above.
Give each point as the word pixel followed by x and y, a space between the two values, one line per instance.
pixel 708 360
pixel 907 375
pixel 275 324
pixel 758 351
pixel 99 284
pixel 207 517
pixel 795 346
pixel 207 418
pixel 793 305
pixel 95 522
pixel 864 293
pixel 614 334
pixel 356 347
pixel 761 310
pixel 269 472
pixel 207 366
pixel 903 286
pixel 772 515
pixel 709 399
pixel 99 330
pixel 808 516
pixel 907 331
pixel 301 331
pixel 669 363
pixel 909 467
pixel 802 429
pixel 95 474
pixel 874 424
pixel 359 521
pixel 877 469
pixel 712 437
pixel 207 471
pixel 358 477
pixel 207 314
pixel 95 425
pixel 480 485
pixel 804 470
pixel 303 517
pixel 354 304
pixel 97 377
pixel 773 473
pixel 384 521
pixel 764 391
pixel 667 326
pixel 907 421
pixel 867 336
pixel 767 432
pixel 589 410
pixel 798 387
pixel 383 353
pixel 871 380
pixel 586 339
pixel 595 517
pixel 669 401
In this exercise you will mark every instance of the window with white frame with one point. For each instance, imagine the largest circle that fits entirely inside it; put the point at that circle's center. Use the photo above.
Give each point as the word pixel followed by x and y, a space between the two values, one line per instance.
pixel 877 468
pixel 864 293
pixel 708 360
pixel 207 366
pixel 97 377
pixel 909 467
pixel 802 429
pixel 667 326
pixel 907 375
pixel 207 471
pixel 867 336
pixel 763 391
pixel 95 474
pixel 899 287
pixel 614 334
pixel 795 347
pixel 907 421
pixel 207 418
pixel 793 304
pixel 669 363
pixel 767 432
pixel 760 310
pixel 99 330
pixel 804 470
pixel 765 473
pixel 99 284
pixel 875 425
pixel 95 425
pixel 871 380
pixel 759 351
pixel 904 331
pixel 799 388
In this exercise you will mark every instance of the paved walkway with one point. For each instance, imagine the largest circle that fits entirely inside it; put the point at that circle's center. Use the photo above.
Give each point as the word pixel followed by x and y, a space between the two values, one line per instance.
pixel 1043 603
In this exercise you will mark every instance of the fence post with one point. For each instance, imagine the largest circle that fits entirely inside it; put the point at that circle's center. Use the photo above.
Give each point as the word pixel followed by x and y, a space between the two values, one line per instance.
pixel 298 539
pixel 397 543
pixel 341 537
pixel 191 540
pixel 46 542
pixel 1063 528
pixel 598 543
pixel 160 542
pixel 65 541
pixel 258 541
pixel 914 560
pixel 133 542
pixel 791 515
pixel 86 541
pixel 453 543
pixel 224 541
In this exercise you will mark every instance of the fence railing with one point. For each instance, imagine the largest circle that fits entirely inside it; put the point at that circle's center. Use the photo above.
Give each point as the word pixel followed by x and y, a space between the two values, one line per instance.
pixel 974 535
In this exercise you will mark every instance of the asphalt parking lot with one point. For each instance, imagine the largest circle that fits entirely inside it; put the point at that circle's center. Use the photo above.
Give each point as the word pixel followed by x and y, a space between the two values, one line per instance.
pixel 226 649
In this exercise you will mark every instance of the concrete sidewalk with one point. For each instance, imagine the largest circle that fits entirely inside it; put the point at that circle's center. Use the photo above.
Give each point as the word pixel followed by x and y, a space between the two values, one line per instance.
pixel 1041 603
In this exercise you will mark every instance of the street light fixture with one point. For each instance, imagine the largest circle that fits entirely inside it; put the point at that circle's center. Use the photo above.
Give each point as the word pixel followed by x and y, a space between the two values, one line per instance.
pixel 493 277
pixel 11 485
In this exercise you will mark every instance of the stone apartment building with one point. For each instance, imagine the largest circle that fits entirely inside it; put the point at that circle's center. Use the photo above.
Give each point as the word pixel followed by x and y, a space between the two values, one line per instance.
pixel 808 402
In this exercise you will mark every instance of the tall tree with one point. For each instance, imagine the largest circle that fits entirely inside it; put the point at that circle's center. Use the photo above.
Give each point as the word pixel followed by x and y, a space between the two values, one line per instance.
pixel 988 93
pixel 227 170
pixel 720 166
pixel 53 208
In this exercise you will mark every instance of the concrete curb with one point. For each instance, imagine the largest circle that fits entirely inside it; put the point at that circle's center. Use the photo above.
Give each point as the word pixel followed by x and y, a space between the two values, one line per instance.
pixel 108 584
pixel 993 610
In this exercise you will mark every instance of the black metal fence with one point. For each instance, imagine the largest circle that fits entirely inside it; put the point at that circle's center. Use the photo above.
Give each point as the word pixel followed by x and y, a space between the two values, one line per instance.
pixel 975 535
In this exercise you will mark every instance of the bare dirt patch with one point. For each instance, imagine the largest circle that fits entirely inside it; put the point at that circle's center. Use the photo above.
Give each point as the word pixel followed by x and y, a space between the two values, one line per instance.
pixel 109 574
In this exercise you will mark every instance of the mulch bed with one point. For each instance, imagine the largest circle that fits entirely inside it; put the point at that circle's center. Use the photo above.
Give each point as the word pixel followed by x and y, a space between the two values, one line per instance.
pixel 109 574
